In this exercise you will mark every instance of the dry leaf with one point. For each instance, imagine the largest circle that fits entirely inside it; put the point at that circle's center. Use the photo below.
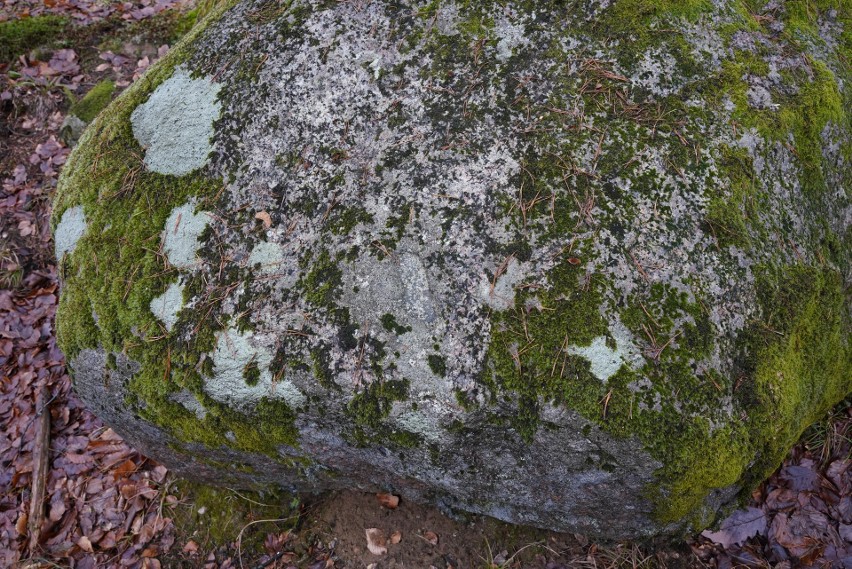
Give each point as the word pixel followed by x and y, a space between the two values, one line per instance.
pixel 190 547
pixel 124 469
pixel 21 525
pixel 431 537
pixel 57 509
pixel 738 527
pixel 85 544
pixel 376 541
pixel 388 501
pixel 265 218
pixel 396 537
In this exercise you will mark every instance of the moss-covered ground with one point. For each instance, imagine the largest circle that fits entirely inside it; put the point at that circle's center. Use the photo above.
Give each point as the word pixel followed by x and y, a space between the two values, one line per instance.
pixel 21 35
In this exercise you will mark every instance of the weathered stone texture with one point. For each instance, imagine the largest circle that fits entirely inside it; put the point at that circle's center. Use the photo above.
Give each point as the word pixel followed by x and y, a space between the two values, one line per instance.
pixel 581 267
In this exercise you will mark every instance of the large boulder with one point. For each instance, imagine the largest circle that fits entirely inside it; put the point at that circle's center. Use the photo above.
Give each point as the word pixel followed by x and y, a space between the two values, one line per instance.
pixel 580 265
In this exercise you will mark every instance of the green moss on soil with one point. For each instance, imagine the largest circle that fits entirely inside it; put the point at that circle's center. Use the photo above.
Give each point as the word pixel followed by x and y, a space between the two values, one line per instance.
pixel 217 516
pixel 17 37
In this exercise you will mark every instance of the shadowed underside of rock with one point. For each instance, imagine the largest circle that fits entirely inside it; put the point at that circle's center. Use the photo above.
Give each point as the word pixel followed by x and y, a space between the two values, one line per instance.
pixel 576 267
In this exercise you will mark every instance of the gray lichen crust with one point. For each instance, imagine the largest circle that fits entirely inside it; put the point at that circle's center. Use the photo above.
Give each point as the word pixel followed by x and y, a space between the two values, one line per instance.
pixel 70 229
pixel 175 125
pixel 543 262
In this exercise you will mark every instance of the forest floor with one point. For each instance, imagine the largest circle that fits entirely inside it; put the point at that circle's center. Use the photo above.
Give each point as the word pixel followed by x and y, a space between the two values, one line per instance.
pixel 105 505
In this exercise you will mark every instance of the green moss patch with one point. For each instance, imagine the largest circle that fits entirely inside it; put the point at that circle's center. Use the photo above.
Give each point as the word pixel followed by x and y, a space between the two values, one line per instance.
pixel 96 100
pixel 217 516
pixel 117 269
pixel 17 37
pixel 371 406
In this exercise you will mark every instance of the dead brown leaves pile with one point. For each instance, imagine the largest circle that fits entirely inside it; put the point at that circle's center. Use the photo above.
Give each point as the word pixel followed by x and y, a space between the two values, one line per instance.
pixel 85 11
pixel 800 517
pixel 103 501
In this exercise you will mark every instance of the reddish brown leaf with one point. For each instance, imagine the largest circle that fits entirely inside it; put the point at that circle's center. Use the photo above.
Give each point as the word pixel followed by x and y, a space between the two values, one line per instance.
pixel 388 501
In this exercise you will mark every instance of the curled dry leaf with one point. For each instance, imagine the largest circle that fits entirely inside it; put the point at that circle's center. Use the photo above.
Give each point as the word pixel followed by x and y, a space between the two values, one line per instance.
pixel 431 537
pixel 388 501
pixel 265 218
pixel 376 541
pixel 21 525
pixel 396 537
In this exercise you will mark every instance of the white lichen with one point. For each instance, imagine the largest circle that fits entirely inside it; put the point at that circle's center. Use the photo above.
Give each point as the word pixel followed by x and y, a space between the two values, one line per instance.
pixel 235 354
pixel 499 293
pixel 71 228
pixel 175 125
pixel 511 36
pixel 181 233
pixel 167 306
pixel 268 255
pixel 605 361
pixel 421 424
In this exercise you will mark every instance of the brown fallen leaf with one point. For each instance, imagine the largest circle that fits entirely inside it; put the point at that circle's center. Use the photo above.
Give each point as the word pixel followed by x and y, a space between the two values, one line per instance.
pixel 265 218
pixel 21 524
pixel 376 541
pixel 396 537
pixel 388 501
pixel 124 469
pixel 190 547
pixel 431 537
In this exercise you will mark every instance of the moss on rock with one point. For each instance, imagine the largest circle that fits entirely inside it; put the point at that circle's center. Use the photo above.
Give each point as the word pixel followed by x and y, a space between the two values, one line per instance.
pixel 96 100
pixel 599 249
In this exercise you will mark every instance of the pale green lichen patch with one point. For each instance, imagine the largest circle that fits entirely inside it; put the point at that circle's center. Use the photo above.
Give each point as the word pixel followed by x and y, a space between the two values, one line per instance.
pixel 175 124
pixel 604 361
pixel 268 255
pixel 181 234
pixel 69 230
pixel 499 291
pixel 241 373
pixel 167 306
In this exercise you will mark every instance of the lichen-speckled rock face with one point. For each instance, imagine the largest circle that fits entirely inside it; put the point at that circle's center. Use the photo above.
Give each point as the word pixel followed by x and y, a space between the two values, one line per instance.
pixel 579 265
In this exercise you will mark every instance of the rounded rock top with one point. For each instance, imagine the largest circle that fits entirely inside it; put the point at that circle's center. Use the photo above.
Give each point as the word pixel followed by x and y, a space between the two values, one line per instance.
pixel 555 264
